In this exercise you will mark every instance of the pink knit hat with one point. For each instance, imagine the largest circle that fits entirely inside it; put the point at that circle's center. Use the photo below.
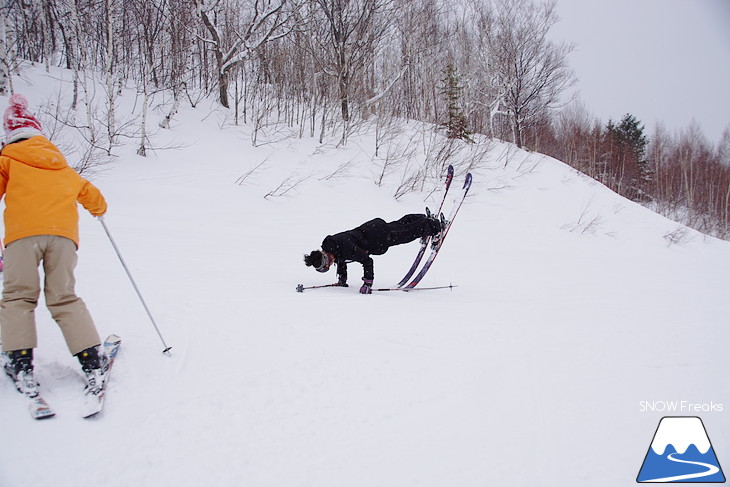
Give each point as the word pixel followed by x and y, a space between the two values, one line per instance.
pixel 18 122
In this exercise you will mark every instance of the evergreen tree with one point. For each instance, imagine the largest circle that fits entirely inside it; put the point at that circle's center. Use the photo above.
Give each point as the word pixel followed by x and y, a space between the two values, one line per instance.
pixel 456 124
pixel 626 157
pixel 629 134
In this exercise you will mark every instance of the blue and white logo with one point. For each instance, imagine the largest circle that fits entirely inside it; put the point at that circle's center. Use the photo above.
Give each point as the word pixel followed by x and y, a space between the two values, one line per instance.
pixel 681 452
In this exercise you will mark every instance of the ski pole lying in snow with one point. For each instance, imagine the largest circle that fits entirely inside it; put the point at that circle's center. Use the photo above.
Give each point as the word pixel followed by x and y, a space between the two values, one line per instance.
pixel 302 287
pixel 409 289
pixel 134 284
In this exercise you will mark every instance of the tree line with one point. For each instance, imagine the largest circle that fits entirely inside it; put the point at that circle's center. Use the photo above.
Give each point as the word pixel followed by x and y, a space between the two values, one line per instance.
pixel 305 61
pixel 679 174
pixel 475 66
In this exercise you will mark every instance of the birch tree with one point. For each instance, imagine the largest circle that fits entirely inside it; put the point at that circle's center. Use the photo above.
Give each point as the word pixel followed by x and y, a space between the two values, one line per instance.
pixel 180 51
pixel 147 16
pixel 6 82
pixel 79 62
pixel 113 21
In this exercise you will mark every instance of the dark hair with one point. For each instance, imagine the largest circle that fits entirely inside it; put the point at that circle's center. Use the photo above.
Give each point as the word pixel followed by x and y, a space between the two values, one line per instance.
pixel 314 258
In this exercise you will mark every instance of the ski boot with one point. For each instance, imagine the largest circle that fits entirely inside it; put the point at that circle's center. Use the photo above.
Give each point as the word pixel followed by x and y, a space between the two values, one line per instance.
pixel 430 216
pixel 94 364
pixel 18 365
pixel 443 223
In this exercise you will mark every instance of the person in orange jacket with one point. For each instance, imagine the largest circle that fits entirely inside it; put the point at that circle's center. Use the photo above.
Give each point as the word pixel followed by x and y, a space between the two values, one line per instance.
pixel 42 193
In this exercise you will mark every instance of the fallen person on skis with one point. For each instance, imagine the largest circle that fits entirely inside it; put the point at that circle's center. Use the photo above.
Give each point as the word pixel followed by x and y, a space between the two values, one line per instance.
pixel 371 238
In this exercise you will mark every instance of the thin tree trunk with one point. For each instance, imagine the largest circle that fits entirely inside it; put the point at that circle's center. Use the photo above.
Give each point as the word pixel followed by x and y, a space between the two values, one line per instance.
pixel 109 73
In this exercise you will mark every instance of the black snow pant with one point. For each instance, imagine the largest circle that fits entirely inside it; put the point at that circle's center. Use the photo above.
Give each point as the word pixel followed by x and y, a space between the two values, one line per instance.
pixel 411 227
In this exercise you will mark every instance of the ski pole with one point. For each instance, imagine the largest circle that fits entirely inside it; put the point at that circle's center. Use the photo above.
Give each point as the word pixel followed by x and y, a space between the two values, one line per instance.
pixel 302 287
pixel 409 289
pixel 134 284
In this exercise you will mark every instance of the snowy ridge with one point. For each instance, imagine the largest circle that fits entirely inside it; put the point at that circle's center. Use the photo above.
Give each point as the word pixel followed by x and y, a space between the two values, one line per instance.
pixel 573 305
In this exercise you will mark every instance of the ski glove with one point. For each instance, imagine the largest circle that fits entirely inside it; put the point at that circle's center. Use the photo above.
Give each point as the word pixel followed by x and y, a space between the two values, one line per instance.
pixel 367 287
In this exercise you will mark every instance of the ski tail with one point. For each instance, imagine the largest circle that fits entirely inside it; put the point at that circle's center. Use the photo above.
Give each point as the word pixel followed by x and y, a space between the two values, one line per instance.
pixel 94 403
pixel 436 247
pixel 37 406
pixel 425 240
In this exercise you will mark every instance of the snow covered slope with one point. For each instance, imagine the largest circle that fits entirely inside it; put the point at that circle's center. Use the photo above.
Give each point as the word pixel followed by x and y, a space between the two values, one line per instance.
pixel 573 305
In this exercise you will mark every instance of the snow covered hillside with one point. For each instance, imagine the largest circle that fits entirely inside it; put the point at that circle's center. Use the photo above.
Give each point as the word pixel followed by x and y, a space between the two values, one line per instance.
pixel 573 306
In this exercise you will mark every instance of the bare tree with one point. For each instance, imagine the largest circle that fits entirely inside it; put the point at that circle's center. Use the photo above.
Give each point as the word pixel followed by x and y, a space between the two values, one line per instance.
pixel 723 148
pixel 257 22
pixel 147 17
pixel 419 49
pixel 113 26
pixel 532 71
pixel 349 34
pixel 178 67
pixel 79 60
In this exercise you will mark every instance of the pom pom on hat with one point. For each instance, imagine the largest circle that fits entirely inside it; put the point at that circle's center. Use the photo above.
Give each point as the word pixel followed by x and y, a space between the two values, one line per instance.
pixel 18 122
pixel 18 101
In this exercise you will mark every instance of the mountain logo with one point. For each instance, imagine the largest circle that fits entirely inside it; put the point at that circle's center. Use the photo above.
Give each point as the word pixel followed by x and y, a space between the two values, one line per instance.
pixel 681 452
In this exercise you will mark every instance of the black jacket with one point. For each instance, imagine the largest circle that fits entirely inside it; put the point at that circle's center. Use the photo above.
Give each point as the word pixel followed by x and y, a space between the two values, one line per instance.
pixel 356 245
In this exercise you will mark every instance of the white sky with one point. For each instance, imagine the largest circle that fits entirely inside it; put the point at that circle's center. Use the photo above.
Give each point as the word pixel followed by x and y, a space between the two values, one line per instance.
pixel 661 60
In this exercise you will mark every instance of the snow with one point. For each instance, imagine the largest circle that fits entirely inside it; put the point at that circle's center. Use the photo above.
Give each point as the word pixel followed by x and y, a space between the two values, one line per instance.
pixel 573 305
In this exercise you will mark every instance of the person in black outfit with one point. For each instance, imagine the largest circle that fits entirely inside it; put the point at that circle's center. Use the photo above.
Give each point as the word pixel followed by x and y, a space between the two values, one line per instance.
pixel 371 238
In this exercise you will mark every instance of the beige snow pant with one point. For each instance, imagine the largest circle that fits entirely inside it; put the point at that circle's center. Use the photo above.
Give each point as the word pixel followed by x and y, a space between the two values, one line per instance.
pixel 22 289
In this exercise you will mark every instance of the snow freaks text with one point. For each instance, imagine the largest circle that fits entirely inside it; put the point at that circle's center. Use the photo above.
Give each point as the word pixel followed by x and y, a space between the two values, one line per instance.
pixel 680 407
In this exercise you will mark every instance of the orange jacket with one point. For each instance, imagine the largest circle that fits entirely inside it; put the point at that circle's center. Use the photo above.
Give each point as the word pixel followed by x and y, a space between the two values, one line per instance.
pixel 41 191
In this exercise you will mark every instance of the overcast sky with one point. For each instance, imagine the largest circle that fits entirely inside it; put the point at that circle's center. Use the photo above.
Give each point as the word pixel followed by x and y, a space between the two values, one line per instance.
pixel 661 60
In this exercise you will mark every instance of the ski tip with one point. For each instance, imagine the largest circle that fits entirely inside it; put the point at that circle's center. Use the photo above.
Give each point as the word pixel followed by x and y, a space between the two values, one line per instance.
pixel 113 338
pixel 467 181
pixel 39 408
pixel 43 414
pixel 89 415
pixel 39 417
